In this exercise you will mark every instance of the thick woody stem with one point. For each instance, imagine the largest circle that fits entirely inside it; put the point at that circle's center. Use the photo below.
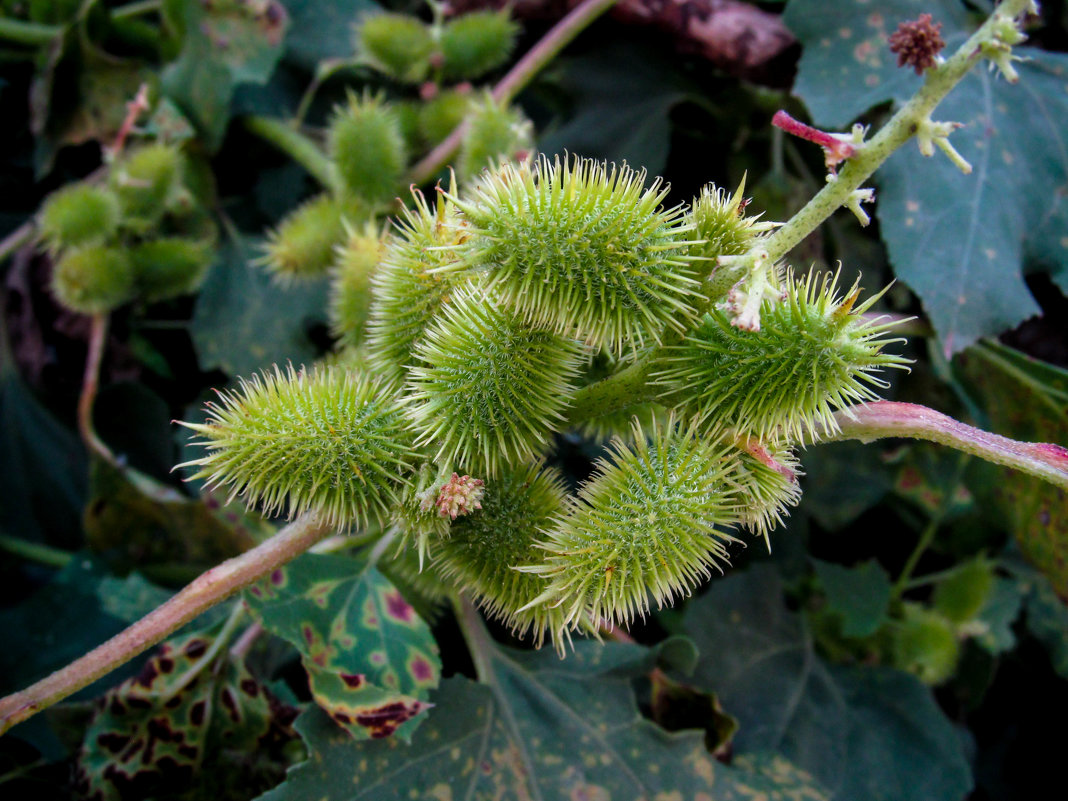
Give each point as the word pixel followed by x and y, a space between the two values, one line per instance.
pixel 207 590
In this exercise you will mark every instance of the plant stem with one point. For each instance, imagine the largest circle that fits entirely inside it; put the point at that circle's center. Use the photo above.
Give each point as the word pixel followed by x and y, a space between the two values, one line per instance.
pixel 295 145
pixel 98 335
pixel 207 590
pixel 900 128
pixel 16 239
pixel 627 387
pixel 558 37
pixel 222 639
pixel 28 33
pixel 35 551
pixel 879 419
pixel 136 9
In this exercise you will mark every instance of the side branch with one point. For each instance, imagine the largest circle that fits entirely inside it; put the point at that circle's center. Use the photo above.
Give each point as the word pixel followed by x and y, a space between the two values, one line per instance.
pixel 871 421
pixel 207 590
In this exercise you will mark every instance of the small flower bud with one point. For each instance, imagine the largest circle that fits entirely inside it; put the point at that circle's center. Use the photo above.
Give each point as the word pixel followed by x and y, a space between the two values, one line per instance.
pixel 77 215
pixel 917 42
pixel 93 279
pixel 476 43
pixel 368 149
pixel 396 44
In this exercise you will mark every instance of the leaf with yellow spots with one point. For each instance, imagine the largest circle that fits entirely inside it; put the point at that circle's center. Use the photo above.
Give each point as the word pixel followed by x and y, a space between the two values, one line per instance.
pixel 960 242
pixel 183 726
pixel 371 660
pixel 541 729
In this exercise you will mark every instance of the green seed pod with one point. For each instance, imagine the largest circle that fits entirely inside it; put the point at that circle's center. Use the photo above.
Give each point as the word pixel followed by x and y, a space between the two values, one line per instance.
pixel 409 285
pixel 489 390
pixel 961 595
pixel 329 441
pixel 496 133
pixel 925 644
pixel 94 279
pixel 646 525
pixel 440 115
pixel 722 229
pixel 169 267
pixel 144 181
pixel 476 43
pixel 350 283
pixel 483 549
pixel 78 214
pixel 814 353
pixel 582 247
pixel 302 246
pixel 396 44
pixel 408 113
pixel 368 150
pixel 763 479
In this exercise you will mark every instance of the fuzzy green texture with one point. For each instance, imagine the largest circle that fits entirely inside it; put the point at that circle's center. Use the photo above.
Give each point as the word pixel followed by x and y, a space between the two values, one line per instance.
pixel 440 115
pixel 495 133
pixel 144 181
pixel 483 548
pixel 396 44
pixel 583 248
pixel 648 525
pixel 409 287
pixel 925 644
pixel 302 246
pixel 489 390
pixel 476 43
pixel 350 284
pixel 368 149
pixel 722 229
pixel 94 279
pixel 170 266
pixel 329 441
pixel 78 214
pixel 408 114
pixel 961 595
pixel 814 353
pixel 764 480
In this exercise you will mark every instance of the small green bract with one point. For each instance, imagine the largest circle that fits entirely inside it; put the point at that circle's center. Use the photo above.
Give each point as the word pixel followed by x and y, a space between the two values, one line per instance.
pixel 328 441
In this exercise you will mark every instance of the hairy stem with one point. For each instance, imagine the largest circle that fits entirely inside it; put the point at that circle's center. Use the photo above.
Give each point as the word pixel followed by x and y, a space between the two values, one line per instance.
pixel 870 155
pixel 871 421
pixel 98 335
pixel 207 590
pixel 559 37
pixel 295 145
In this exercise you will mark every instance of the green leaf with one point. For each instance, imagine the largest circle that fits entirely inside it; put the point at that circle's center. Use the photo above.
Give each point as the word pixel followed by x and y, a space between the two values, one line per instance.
pixel 132 520
pixel 183 723
pixel 992 627
pixel 546 729
pixel 1046 615
pixel 371 660
pixel 860 595
pixel 323 29
pixel 244 322
pixel 130 598
pixel 842 481
pixel 866 733
pixel 959 241
pixel 846 66
pixel 618 120
pixel 226 43
pixel 1025 399
pixel 42 467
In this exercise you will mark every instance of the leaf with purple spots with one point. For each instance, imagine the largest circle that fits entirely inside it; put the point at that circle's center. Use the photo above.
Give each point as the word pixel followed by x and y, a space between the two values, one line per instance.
pixel 183 726
pixel 371 660
pixel 541 728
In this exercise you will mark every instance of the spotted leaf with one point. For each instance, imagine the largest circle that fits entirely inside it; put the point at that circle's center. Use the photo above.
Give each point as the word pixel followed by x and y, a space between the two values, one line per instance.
pixel 166 731
pixel 543 729
pixel 371 660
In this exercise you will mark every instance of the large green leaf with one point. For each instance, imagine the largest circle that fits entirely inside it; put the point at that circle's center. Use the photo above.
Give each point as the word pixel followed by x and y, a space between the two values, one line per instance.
pixel 1025 399
pixel 959 241
pixel 545 729
pixel 867 733
pixel 323 29
pixel 371 660
pixel 859 595
pixel 225 43
pixel 245 322
pixel 187 719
